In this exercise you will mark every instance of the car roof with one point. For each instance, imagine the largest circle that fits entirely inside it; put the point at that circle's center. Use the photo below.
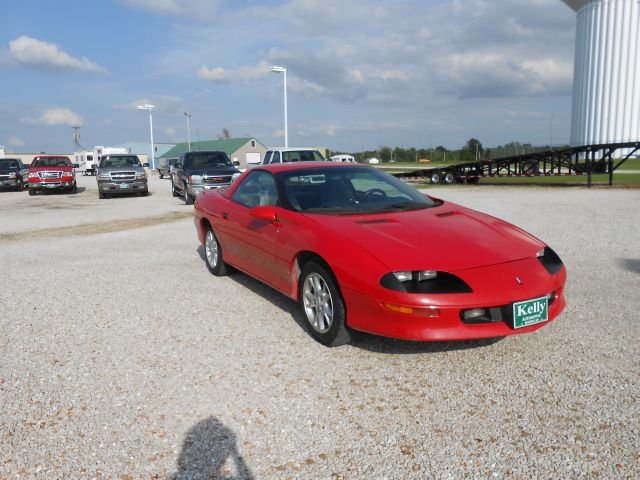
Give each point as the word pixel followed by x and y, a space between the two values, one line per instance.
pixel 292 166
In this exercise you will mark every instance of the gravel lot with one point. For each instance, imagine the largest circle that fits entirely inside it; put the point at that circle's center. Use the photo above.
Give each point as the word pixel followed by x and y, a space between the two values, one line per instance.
pixel 122 357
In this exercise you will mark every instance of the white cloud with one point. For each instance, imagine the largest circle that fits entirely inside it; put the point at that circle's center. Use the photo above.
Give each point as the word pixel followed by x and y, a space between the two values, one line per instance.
pixel 56 117
pixel 14 141
pixel 185 8
pixel 246 73
pixel 36 53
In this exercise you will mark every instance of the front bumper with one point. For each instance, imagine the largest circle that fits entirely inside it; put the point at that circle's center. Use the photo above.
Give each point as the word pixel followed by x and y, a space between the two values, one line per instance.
pixel 10 183
pixel 195 190
pixel 52 185
pixel 496 288
pixel 113 188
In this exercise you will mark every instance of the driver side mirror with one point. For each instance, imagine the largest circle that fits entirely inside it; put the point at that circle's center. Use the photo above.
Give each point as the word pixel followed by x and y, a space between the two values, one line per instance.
pixel 76 165
pixel 266 213
pixel 236 163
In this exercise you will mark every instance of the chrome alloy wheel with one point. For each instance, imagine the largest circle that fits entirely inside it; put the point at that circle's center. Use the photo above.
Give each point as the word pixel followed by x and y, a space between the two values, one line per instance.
pixel 211 249
pixel 318 304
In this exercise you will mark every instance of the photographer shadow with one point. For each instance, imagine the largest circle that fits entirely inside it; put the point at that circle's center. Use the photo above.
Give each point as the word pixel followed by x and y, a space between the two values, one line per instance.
pixel 209 451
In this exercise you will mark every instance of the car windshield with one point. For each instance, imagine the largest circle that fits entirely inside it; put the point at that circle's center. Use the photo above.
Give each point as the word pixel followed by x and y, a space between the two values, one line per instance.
pixel 207 159
pixel 9 164
pixel 51 162
pixel 302 156
pixel 349 190
pixel 120 161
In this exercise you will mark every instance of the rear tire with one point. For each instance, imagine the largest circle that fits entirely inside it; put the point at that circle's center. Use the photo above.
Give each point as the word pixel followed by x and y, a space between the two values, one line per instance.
pixel 449 178
pixel 213 254
pixel 322 305
pixel 161 176
pixel 436 177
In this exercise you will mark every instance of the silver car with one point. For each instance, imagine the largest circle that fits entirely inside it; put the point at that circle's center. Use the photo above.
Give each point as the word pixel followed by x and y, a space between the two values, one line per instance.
pixel 121 174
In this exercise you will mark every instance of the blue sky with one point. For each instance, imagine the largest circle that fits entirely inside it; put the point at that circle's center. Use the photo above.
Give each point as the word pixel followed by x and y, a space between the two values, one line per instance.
pixel 361 74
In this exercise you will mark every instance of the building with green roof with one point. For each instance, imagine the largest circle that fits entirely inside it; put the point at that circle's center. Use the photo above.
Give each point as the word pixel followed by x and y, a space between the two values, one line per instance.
pixel 244 150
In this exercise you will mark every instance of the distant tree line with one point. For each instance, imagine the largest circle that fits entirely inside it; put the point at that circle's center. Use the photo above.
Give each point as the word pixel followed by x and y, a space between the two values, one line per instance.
pixel 469 152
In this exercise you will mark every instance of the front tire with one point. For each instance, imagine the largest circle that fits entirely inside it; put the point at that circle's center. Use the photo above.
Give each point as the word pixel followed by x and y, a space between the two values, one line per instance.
pixel 213 254
pixel 188 199
pixel 322 305
pixel 32 191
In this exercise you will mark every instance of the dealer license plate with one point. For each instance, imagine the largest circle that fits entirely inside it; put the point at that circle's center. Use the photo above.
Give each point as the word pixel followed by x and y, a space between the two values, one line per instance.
pixel 530 312
pixel 124 185
pixel 51 185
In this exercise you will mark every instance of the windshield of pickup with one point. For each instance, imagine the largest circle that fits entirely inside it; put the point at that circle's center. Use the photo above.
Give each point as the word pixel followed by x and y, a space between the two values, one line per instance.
pixel 51 162
pixel 9 164
pixel 120 161
pixel 207 159
pixel 349 190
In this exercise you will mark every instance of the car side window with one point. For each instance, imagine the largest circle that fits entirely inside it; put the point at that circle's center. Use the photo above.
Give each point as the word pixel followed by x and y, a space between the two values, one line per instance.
pixel 258 189
pixel 276 157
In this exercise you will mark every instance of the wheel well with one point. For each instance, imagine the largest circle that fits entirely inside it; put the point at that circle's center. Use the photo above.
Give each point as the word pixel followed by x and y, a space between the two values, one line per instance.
pixel 302 259
pixel 204 225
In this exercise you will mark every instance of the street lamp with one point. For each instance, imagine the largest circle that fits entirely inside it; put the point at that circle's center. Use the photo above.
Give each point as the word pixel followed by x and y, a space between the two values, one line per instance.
pixel 188 115
pixel 283 70
pixel 149 107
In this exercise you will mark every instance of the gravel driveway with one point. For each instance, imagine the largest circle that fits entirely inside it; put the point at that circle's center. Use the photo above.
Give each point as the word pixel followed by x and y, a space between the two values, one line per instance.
pixel 122 357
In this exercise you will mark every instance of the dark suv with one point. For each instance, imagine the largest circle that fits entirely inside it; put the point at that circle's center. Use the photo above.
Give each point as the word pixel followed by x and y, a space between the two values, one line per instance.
pixel 13 173
pixel 196 172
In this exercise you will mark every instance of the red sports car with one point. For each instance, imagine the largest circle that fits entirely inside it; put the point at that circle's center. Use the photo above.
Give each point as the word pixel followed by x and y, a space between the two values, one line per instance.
pixel 361 250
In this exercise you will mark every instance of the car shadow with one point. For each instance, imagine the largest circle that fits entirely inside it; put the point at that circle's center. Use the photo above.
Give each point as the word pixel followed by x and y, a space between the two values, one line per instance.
pixel 631 264
pixel 364 341
pixel 60 192
pixel 209 450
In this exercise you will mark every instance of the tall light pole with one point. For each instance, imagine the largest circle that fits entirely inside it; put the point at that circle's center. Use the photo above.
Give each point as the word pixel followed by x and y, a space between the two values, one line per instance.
pixel 283 70
pixel 149 107
pixel 188 115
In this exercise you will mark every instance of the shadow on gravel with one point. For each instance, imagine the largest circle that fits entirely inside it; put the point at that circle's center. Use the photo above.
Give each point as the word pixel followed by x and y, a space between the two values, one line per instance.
pixel 361 340
pixel 60 192
pixel 281 301
pixel 209 450
pixel 392 346
pixel 631 264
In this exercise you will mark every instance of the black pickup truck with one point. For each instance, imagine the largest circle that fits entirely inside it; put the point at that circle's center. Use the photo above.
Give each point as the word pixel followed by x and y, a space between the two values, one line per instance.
pixel 195 172
pixel 13 173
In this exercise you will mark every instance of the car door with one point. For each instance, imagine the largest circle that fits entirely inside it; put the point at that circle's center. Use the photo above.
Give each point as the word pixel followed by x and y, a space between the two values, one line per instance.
pixel 251 242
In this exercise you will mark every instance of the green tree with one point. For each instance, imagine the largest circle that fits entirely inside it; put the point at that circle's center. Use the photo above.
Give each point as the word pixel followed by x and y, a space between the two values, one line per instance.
pixel 225 134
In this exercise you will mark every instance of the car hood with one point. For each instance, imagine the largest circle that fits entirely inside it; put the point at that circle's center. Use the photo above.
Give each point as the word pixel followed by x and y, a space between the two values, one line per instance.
pixel 210 170
pixel 50 169
pixel 445 238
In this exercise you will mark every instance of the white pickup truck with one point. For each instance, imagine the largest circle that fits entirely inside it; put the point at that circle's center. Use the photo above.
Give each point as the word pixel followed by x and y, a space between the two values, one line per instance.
pixel 292 154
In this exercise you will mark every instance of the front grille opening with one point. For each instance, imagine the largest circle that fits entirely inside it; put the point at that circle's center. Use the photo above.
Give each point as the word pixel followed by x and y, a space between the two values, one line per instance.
pixel 504 313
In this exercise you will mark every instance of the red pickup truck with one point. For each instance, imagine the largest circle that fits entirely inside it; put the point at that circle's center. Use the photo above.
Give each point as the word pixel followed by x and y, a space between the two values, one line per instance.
pixel 52 172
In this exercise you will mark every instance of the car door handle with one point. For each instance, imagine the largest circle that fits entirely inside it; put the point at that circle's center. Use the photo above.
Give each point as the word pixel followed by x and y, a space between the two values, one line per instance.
pixel 225 215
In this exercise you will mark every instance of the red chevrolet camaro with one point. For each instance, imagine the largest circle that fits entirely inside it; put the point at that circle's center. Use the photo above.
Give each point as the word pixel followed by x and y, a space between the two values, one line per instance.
pixel 361 250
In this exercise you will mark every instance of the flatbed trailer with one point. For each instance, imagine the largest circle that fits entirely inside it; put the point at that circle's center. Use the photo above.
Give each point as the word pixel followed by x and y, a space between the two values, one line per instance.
pixel 583 160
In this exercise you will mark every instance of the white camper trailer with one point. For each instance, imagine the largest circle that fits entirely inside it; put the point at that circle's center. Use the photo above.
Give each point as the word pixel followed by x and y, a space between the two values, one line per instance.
pixel 88 160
